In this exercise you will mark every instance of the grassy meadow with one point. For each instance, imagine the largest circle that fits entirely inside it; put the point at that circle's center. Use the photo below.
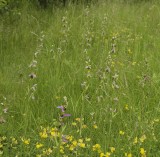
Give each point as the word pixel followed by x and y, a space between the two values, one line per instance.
pixel 80 81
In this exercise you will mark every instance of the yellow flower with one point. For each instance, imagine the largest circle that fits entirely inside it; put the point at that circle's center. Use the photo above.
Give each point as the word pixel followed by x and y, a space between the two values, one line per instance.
pixel 121 132
pixel 126 107
pixel 112 149
pixel 38 155
pixel 80 140
pixel 102 155
pixel 25 141
pixel 67 146
pixel 105 155
pixel 87 139
pixel 142 151
pixel 82 145
pixel 135 140
pixel 47 152
pixel 129 51
pixel 74 143
pixel 61 150
pixel 128 155
pixel 108 154
pixel 95 126
pixel 54 132
pixel 70 138
pixel 39 145
pixel 71 148
pixel 96 147
pixel 1 145
pixel 43 134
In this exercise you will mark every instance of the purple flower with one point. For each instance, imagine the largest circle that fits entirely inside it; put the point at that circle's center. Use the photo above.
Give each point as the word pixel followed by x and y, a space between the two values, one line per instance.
pixel 62 108
pixel 64 139
pixel 65 115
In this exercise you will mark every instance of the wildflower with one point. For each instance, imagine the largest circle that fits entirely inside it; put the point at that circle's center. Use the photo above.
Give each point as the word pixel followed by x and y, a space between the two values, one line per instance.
pixel 135 140
pixel 47 152
pixel 96 147
pixel 65 115
pixel 112 149
pixel 62 108
pixel 43 134
pixel 126 107
pixel 105 155
pixel 1 145
pixel 129 51
pixel 25 141
pixel 75 143
pixel 61 149
pixel 82 145
pixel 102 155
pixel 70 138
pixel 108 154
pixel 64 139
pixel 128 155
pixel 32 75
pixel 142 152
pixel 80 140
pixel 121 132
pixel 39 145
pixel 87 139
pixel 54 132
pixel 38 155
pixel 95 126
pixel 71 148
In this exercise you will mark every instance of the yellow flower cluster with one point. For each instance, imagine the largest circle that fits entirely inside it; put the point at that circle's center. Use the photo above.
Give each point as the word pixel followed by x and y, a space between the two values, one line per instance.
pixel 142 152
pixel 97 148
pixel 25 141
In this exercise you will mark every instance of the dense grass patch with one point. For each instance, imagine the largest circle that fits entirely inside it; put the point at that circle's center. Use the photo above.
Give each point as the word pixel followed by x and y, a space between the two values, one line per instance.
pixel 98 63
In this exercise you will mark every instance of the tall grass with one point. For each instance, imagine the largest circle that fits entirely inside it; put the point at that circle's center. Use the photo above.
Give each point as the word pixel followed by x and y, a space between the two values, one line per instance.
pixel 103 58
